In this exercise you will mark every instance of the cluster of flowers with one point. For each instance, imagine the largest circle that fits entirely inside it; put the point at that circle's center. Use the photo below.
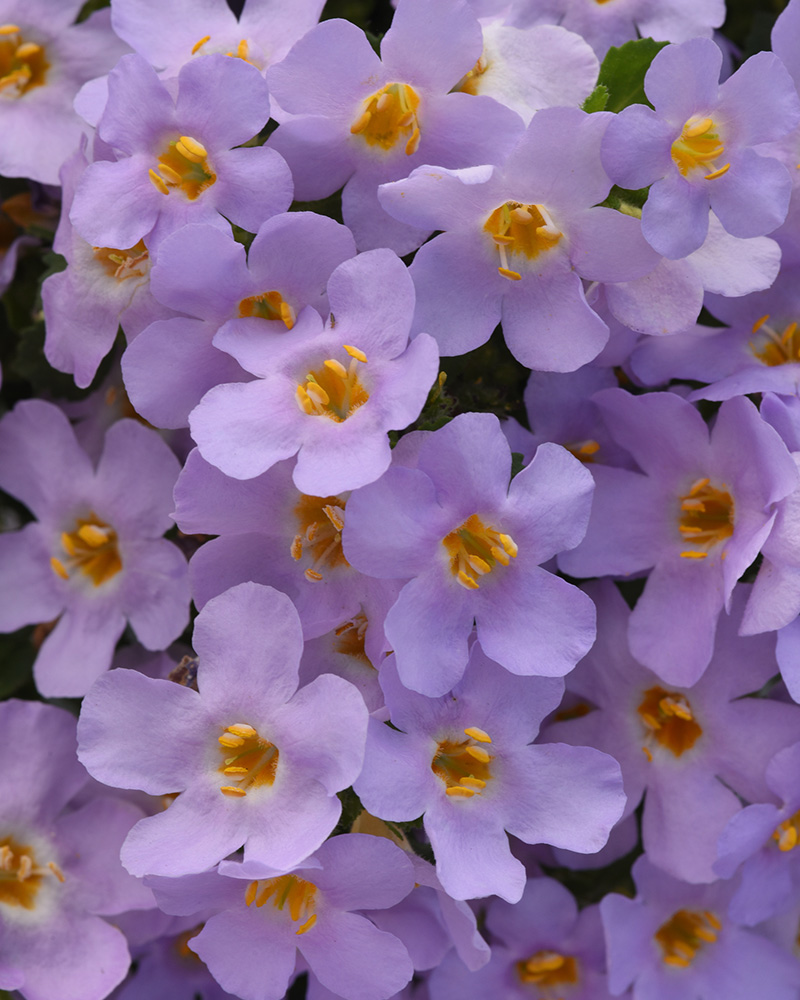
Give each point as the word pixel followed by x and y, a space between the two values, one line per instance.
pixel 415 708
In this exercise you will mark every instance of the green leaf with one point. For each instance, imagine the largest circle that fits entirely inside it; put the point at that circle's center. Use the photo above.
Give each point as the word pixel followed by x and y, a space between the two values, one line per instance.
pixel 597 100
pixel 623 72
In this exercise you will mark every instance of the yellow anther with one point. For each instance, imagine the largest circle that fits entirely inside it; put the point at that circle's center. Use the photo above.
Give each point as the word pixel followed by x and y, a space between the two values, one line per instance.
pixel 478 734
pixel 9 29
pixel 58 568
pixel 480 566
pixel 25 867
pixel 504 241
pixel 509 545
pixel 92 535
pixel 336 367
pixel 459 791
pixel 304 400
pixel 233 791
pixel 354 352
pixel 500 555
pixel 243 49
pixel 718 173
pixel 307 925
pixel 235 770
pixel 191 149
pixel 698 128
pixel 67 543
pixel 687 504
pixel 158 182
pixel 27 50
pixel 466 581
pixel 297 547
pixel 588 448
pixel 250 893
pixel 788 839
pixel 760 322
pixel 677 961
pixel 360 124
pixel 694 555
pixel 312 575
pixel 471 782
pixel 231 741
pixel 647 754
pixel 198 45
pixel 287 315
pixel 317 393
pixel 242 729
pixel 508 273
pixel 413 143
pixel 479 754
pixel 334 516
pixel 713 920
pixel 522 215
pixel 697 486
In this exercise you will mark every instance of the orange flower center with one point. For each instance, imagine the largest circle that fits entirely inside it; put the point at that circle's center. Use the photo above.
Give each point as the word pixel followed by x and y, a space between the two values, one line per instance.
pixel 183 166
pixel 684 934
pixel 389 116
pixel 320 522
pixel 706 518
pixel 668 720
pixel 90 548
pixel 475 549
pixel 248 760
pixel 286 891
pixel 463 765
pixel 21 876
pixel 547 970
pixel 698 147
pixel 332 390
pixel 23 65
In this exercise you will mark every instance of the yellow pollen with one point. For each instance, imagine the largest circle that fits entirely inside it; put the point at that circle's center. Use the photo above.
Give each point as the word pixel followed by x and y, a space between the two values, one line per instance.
pixel 648 754
pixel 183 165
pixel 684 934
pixel 332 390
pixel 478 734
pixel 521 230
pixel 350 638
pixel 470 83
pixel 668 720
pixel 23 65
pixel 697 147
pixel 389 116
pixel 199 44
pixel 286 891
pixel 21 876
pixel 123 264
pixel 463 766
pixel 772 346
pixel 548 970
pixel 90 547
pixel 268 305
pixel 584 451
pixel 254 764
pixel 787 833
pixel 706 518
pixel 320 521
pixel 475 549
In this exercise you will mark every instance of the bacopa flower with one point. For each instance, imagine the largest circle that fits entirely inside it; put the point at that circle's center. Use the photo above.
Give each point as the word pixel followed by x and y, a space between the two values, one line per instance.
pixel 95 557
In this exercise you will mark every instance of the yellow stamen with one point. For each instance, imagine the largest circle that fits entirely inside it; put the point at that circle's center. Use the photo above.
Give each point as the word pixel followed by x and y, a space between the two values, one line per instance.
pixel 93 536
pixel 388 117
pixel 478 734
pixel 473 540
pixel 307 925
pixel 198 45
pixel 479 754
pixel 694 555
pixel 158 182
pixel 471 782
pixel 458 791
pixel 9 29
pixel 354 352
pixel 191 149
pixel 243 49
pixel 233 791
pixel 718 173
pixel 508 273
pixel 59 568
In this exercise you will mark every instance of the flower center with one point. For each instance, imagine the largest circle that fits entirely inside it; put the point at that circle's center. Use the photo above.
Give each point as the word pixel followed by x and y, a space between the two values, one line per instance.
pixel 668 719
pixel 463 765
pixel 286 890
pixel 183 165
pixel 321 522
pixel 548 969
pixel 475 549
pixel 390 116
pixel 706 518
pixel 521 229
pixel 242 51
pixel 23 65
pixel 350 639
pixel 772 347
pixel 20 876
pixel 584 451
pixel 268 305
pixel 334 391
pixel 469 84
pixel 90 547
pixel 181 946
pixel 249 760
pixel 123 264
pixel 684 934
pixel 786 834
pixel 698 147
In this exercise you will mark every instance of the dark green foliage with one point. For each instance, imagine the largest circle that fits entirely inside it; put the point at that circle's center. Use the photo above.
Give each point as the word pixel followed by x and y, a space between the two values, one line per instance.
pixel 623 71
